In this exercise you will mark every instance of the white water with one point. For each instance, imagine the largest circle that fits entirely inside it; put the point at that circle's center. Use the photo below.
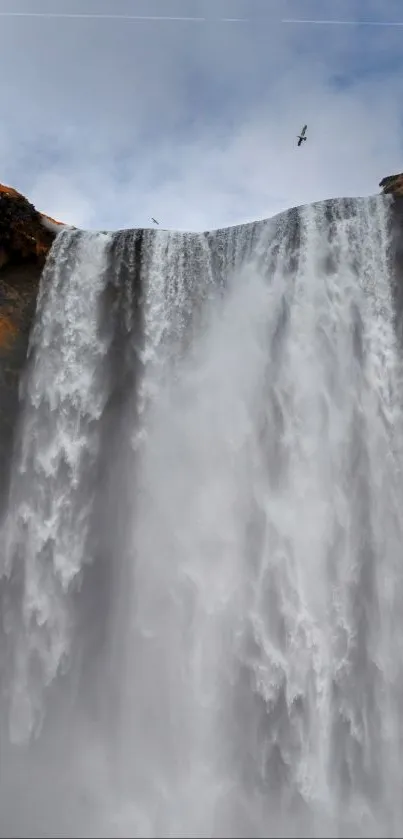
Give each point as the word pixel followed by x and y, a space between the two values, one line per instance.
pixel 50 500
pixel 256 621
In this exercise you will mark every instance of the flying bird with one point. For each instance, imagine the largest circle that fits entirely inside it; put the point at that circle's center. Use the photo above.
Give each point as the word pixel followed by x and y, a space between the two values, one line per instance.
pixel 154 220
pixel 301 137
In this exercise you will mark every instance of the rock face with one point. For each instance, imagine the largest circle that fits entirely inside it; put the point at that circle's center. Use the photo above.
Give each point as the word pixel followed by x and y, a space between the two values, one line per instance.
pixel 18 291
pixel 25 239
pixel 392 185
pixel 23 236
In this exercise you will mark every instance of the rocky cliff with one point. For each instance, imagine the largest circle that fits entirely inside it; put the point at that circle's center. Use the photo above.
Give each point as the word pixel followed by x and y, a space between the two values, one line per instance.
pixel 25 240
pixel 392 185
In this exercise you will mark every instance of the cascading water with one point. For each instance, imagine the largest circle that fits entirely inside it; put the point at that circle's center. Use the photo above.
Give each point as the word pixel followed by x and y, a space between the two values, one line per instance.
pixel 202 569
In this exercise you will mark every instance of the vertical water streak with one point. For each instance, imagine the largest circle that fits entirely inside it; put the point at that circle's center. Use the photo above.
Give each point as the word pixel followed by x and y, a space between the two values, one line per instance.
pixel 320 616
pixel 105 607
pixel 189 575
pixel 46 527
pixel 178 282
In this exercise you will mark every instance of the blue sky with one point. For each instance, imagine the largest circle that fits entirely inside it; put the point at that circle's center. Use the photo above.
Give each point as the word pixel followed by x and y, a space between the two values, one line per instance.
pixel 108 122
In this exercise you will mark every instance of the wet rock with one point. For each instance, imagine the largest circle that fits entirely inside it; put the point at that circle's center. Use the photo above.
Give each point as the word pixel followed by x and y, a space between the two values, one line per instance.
pixel 392 185
pixel 18 292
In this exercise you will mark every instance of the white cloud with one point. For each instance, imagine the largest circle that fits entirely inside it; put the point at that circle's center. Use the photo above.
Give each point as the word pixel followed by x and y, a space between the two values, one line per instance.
pixel 198 132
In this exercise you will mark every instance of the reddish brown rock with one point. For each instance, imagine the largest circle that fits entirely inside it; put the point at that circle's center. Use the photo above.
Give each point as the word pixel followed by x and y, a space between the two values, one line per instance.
pixel 23 236
pixel 26 237
pixel 392 184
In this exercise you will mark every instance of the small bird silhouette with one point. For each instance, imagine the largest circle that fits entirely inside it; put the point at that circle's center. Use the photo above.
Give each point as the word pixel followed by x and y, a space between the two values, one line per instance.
pixel 301 137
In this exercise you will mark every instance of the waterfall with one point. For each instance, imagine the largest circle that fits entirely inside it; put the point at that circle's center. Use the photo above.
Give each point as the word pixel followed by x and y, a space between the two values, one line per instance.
pixel 201 562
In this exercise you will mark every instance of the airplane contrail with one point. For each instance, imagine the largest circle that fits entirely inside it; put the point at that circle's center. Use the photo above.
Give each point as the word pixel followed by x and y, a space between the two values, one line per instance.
pixel 345 22
pixel 93 16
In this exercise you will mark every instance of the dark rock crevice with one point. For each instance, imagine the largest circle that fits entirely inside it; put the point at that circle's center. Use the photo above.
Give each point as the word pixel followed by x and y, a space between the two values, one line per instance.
pixel 396 261
pixel 18 293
